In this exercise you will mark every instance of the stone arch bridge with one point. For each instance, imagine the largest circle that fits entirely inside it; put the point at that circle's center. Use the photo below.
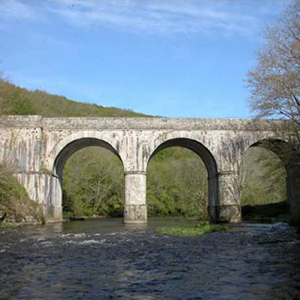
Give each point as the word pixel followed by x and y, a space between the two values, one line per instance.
pixel 40 147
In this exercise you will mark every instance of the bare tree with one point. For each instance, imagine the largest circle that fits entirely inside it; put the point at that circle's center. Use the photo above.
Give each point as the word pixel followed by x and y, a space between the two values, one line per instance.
pixel 275 81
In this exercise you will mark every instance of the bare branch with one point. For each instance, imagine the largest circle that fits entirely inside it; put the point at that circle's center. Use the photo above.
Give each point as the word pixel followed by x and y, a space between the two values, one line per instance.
pixel 275 81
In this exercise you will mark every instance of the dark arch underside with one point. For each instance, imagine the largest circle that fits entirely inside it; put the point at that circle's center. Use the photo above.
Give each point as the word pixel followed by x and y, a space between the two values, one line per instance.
pixel 281 148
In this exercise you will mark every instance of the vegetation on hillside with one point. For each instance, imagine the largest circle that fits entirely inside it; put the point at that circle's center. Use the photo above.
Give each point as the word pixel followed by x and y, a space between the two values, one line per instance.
pixel 19 101
pixel 15 205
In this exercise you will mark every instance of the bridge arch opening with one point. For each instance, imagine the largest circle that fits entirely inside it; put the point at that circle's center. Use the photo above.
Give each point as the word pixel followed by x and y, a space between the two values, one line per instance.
pixel 269 179
pixel 209 170
pixel 88 147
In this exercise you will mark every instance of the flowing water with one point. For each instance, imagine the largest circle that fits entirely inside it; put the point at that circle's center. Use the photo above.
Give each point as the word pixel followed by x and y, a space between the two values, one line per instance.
pixel 102 259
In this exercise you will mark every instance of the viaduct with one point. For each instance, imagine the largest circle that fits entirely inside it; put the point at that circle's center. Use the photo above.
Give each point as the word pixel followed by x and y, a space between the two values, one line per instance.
pixel 40 147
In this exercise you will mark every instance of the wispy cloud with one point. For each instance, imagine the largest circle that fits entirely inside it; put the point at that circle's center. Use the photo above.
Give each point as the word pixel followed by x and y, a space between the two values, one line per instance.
pixel 16 10
pixel 153 17
pixel 158 17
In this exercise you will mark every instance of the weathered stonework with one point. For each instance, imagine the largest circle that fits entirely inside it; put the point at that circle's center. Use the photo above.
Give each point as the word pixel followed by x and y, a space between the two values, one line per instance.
pixel 39 148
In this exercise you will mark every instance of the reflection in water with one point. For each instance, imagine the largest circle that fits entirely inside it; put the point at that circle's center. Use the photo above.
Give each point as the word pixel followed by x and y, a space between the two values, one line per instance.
pixel 102 259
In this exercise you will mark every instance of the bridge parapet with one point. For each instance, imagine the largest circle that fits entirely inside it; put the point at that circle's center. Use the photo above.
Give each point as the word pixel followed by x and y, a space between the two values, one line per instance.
pixel 155 123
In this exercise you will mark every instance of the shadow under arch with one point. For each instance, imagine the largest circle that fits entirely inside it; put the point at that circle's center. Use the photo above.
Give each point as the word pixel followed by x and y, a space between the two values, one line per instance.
pixel 210 164
pixel 59 162
pixel 290 159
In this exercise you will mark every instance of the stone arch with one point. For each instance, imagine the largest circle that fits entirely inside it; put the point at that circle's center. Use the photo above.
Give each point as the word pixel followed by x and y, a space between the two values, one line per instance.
pixel 60 155
pixel 280 147
pixel 75 146
pixel 291 161
pixel 211 166
pixel 111 140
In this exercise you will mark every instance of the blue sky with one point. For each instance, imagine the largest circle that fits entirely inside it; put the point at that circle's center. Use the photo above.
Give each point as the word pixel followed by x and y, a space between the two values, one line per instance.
pixel 167 58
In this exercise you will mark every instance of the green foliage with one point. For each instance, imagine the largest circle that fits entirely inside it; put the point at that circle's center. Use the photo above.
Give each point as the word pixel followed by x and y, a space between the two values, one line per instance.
pixel 177 184
pixel 6 226
pixel 93 184
pixel 264 178
pixel 15 205
pixel 191 230
pixel 19 101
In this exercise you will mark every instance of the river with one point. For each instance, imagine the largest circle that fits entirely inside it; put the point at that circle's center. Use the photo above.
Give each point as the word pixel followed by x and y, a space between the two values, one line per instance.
pixel 102 259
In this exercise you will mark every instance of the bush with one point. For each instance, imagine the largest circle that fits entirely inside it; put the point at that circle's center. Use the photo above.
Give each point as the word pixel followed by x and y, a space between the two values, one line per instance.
pixel 15 205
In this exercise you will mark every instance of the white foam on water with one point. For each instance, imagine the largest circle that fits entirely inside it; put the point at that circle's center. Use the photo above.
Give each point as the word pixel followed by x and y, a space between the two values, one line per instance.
pixel 86 242
pixel 73 235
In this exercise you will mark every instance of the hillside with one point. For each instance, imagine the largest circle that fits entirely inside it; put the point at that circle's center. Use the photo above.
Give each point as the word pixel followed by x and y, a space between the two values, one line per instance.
pixel 19 101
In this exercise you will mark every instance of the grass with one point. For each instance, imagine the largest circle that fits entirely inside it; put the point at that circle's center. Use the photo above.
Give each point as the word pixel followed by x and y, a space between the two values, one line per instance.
pixel 190 230
pixel 6 226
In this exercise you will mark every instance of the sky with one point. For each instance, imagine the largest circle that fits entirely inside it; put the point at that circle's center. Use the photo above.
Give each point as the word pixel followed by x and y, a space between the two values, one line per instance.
pixel 166 58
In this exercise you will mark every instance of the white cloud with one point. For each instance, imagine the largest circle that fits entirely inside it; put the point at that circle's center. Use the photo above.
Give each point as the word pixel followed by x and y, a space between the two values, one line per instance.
pixel 169 17
pixel 16 10
pixel 153 17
